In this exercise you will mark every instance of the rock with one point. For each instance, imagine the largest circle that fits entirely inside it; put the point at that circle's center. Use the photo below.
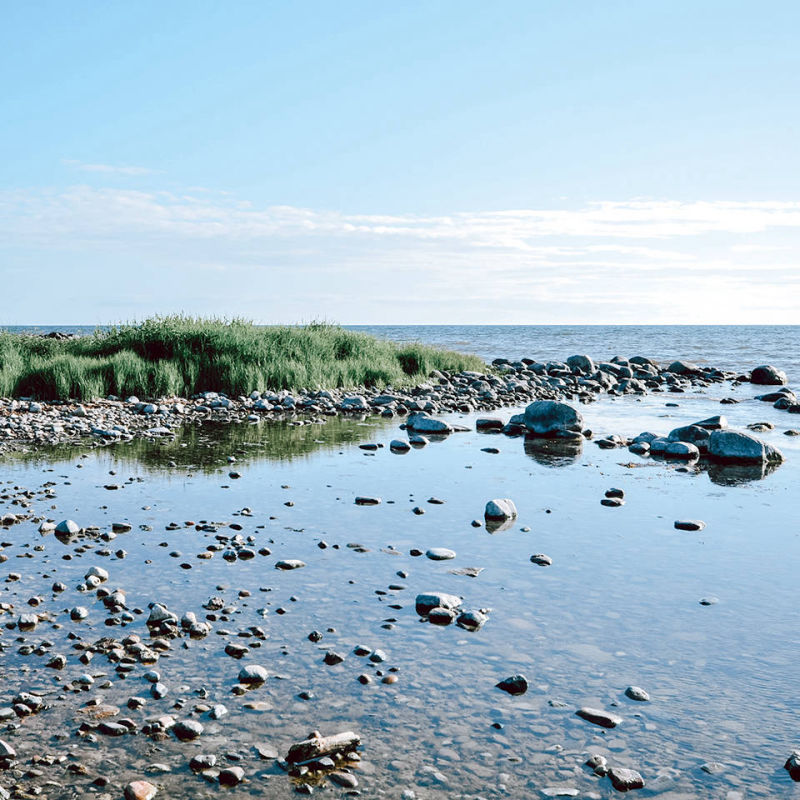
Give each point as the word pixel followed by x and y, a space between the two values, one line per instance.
pixel 187 729
pixel 399 446
pixel 231 776
pixel 343 779
pixel 637 693
pixel 514 685
pixel 689 524
pixel 96 572
pixel 735 447
pixel 500 509
pixel 581 363
pixel 426 602
pixel 471 620
pixel 716 423
pixel 624 780
pixel 683 368
pixel 599 717
pixel 253 674
pixel 440 554
pixel 441 616
pixel 6 750
pixel 489 424
pixel 693 434
pixel 203 761
pixel 68 527
pixel 422 423
pixel 368 501
pixel 767 375
pixel 550 418
pixel 140 790
pixel 792 765
pixel 333 658
pixel 681 451
pixel 541 559
pixel 289 563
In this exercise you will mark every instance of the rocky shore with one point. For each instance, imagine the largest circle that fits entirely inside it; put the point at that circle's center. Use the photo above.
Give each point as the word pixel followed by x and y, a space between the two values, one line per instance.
pixel 27 423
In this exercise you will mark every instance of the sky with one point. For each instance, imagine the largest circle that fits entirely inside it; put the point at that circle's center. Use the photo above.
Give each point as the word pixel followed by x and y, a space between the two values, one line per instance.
pixel 448 161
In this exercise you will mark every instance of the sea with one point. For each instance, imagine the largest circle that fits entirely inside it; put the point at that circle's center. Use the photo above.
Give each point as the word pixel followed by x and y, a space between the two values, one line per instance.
pixel 730 347
pixel 705 621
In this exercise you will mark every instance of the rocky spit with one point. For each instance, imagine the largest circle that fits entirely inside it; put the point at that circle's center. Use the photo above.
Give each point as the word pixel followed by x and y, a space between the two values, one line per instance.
pixel 128 696
pixel 27 422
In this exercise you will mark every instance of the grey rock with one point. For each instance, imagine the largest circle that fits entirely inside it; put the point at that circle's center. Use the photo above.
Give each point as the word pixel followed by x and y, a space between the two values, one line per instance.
pixel 426 602
pixel 637 693
pixel 599 717
pixel 440 554
pixel 625 780
pixel 736 447
pixel 253 674
pixel 500 509
pixel 767 375
pixel 551 418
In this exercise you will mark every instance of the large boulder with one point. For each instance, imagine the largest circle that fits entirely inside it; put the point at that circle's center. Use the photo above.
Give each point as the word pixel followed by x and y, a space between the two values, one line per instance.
pixel 500 509
pixel 767 375
pixel 550 418
pixel 683 368
pixel 741 448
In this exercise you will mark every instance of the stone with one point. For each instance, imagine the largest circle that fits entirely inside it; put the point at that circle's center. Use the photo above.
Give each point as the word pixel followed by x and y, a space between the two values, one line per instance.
pixel 344 779
pixel 681 451
pixel 792 765
pixel 599 717
pixel 683 368
pixel 581 363
pixel 188 729
pixel 489 424
pixel 767 375
pixel 500 509
pixel 231 776
pixel 426 602
pixel 422 423
pixel 289 564
pixel 513 685
pixel 253 674
pixel 471 620
pixel 736 447
pixel 625 780
pixel 6 750
pixel 68 527
pixel 637 693
pixel 440 554
pixel 550 418
pixel 399 446
pixel 541 560
pixel 367 501
pixel 689 524
pixel 140 790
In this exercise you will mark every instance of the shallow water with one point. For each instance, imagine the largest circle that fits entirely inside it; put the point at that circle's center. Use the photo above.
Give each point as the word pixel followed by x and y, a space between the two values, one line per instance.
pixel 619 606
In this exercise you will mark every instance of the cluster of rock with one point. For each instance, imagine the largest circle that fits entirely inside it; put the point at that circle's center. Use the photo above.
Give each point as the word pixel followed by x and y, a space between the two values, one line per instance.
pixel 506 383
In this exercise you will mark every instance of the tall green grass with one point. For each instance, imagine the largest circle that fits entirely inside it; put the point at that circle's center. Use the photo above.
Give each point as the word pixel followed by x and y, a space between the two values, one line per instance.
pixel 179 355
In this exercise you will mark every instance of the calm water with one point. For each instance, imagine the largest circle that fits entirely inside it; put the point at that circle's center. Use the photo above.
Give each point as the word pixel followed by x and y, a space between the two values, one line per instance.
pixel 619 606
pixel 734 347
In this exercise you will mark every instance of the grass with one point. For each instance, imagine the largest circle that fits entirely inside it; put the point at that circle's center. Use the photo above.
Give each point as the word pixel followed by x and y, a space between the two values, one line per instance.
pixel 181 356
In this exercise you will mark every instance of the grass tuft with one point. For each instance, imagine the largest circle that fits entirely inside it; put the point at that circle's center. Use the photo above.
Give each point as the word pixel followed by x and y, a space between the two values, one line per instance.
pixel 180 355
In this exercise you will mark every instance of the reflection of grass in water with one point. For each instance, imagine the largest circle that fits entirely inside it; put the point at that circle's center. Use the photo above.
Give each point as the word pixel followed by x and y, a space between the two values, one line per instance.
pixel 182 356
pixel 207 447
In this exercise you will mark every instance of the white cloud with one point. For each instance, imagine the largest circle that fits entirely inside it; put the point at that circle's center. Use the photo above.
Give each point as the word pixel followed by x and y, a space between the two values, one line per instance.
pixel 664 261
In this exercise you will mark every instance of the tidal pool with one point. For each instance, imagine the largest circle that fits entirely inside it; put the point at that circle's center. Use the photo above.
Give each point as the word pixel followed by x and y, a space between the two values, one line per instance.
pixel 619 606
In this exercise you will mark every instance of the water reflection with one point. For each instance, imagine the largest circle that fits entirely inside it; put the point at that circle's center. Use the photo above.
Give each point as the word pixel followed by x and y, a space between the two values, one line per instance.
pixel 207 447
pixel 737 474
pixel 553 452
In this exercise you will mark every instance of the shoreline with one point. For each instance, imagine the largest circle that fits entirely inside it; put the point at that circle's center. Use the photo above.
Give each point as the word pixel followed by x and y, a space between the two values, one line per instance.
pixel 27 423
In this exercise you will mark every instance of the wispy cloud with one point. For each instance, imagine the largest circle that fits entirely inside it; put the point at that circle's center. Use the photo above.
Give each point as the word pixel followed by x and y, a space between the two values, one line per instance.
pixel 641 260
pixel 108 169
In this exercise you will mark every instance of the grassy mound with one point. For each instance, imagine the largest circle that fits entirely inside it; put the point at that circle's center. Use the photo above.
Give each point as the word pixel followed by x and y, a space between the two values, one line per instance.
pixel 179 355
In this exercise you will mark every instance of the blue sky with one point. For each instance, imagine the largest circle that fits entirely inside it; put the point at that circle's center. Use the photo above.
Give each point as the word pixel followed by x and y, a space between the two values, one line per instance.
pixel 521 162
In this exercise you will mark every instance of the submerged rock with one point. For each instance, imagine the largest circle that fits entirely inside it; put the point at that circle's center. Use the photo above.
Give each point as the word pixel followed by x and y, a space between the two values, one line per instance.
pixel 514 685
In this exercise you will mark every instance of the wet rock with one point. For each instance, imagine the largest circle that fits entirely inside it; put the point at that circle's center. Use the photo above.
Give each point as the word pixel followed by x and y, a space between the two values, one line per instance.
pixel 551 418
pixel 140 790
pixel 332 658
pixel 399 446
pixel 625 780
pixel 541 560
pixel 289 563
pixel 735 447
pixel 500 509
pixel 513 685
pixel 637 693
pixel 426 602
pixel 367 501
pixel 344 779
pixel 253 674
pixel 489 424
pixel 188 729
pixel 612 502
pixel 767 375
pixel 599 717
pixel 422 423
pixel 68 527
pixel 471 620
pixel 689 524
pixel 440 554
pixel 441 616
pixel 681 451
pixel 201 762
pixel 231 776
pixel 792 765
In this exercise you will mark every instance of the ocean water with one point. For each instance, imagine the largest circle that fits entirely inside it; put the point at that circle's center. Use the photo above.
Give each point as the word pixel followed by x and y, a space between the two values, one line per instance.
pixel 733 347
pixel 619 606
